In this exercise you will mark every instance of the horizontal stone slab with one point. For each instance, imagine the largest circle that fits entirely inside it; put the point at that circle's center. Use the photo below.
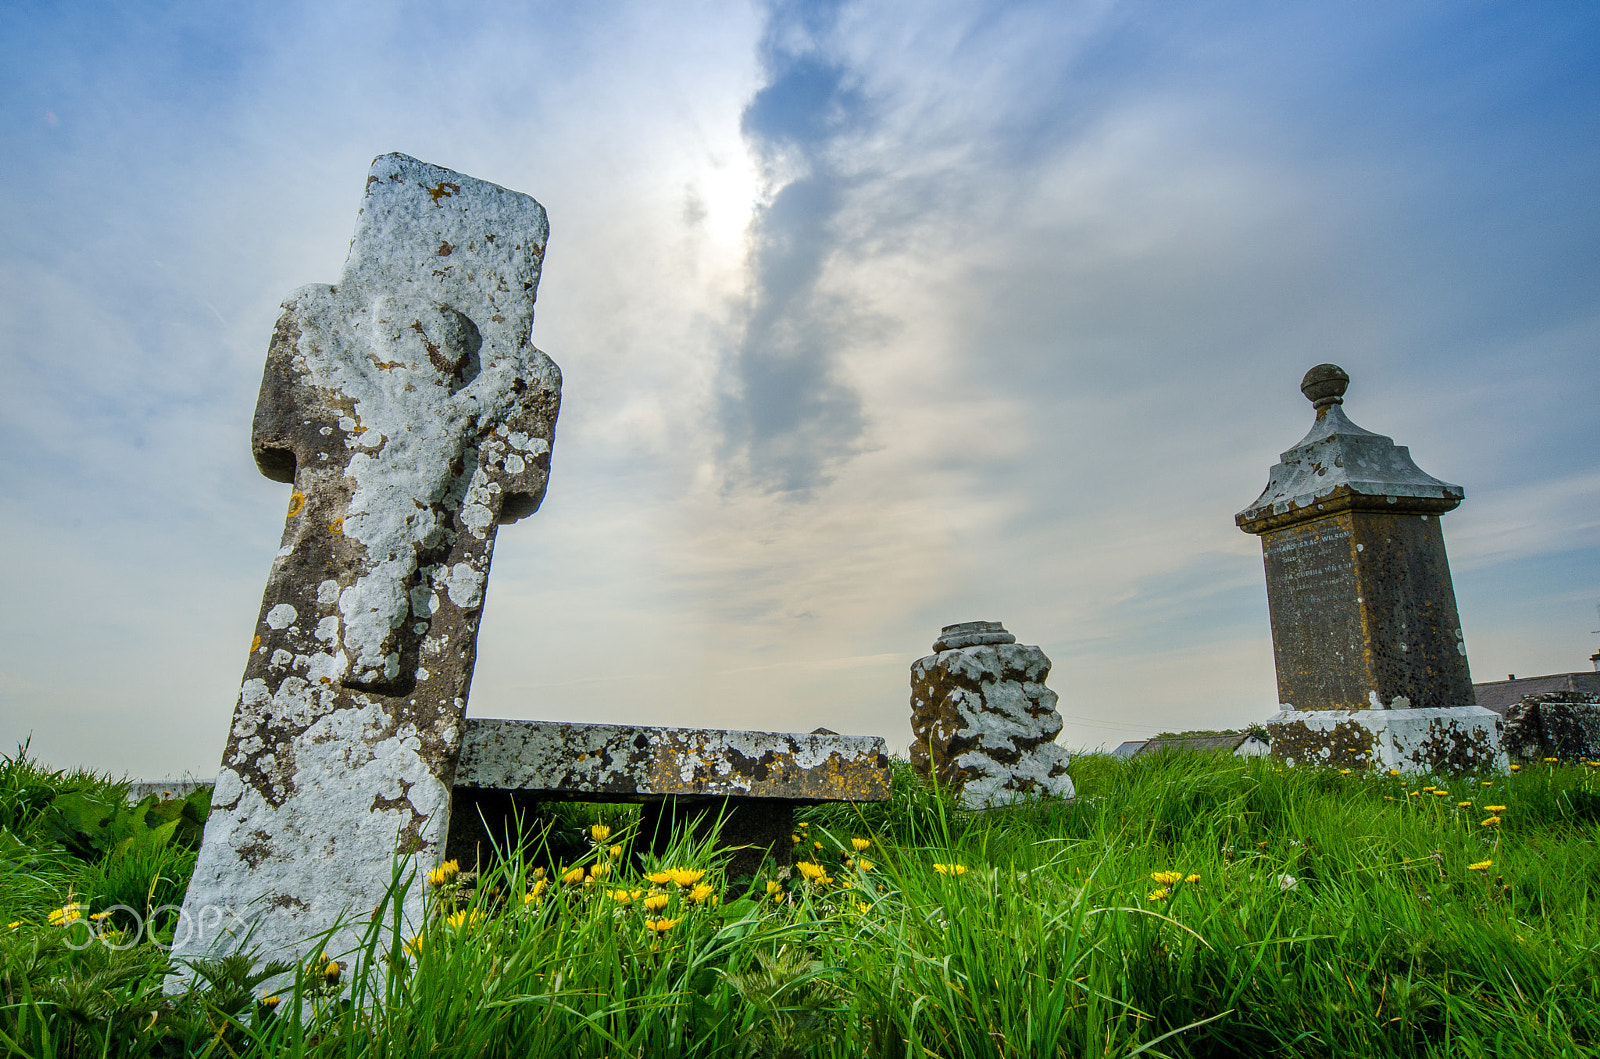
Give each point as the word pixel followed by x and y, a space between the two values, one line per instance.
pixel 165 790
pixel 607 762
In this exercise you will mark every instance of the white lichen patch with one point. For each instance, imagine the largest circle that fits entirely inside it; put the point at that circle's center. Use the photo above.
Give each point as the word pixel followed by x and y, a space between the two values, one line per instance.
pixel 360 789
pixel 281 616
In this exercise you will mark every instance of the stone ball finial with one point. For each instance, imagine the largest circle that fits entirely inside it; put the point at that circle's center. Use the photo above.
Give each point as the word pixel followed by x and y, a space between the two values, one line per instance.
pixel 1325 385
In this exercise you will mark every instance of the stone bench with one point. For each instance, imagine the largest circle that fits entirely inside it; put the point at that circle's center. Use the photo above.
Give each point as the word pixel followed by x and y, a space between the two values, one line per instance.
pixel 751 781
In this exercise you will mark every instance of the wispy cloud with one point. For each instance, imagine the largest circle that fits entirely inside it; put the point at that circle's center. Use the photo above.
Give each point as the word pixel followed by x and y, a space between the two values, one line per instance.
pixel 788 415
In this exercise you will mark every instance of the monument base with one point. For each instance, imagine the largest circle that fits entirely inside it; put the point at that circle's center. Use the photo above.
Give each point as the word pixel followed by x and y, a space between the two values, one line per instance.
pixel 1460 739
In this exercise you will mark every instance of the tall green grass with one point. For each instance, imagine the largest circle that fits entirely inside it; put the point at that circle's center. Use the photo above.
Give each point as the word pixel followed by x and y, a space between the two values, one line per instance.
pixel 1184 905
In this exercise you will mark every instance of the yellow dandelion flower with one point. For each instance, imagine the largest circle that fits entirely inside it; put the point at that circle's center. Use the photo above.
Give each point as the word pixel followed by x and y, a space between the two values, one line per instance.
pixel 861 906
pixel 599 871
pixel 795 839
pixel 573 877
pixel 444 873
pixel 685 877
pixel 660 926
pixel 1490 821
pixel 865 865
pixel 536 891
pixel 465 918
pixel 413 946
pixel 950 869
pixel 1462 805
pixel 328 970
pixel 1487 783
pixel 1548 760
pixel 624 897
pixel 702 893
pixel 656 902
pixel 775 891
pixel 1441 794
pixel 1482 865
pixel 860 845
pixel 1159 894
pixel 1516 768
pixel 1430 787
pixel 1494 808
pixel 615 851
pixel 101 917
pixel 1394 772
pixel 816 845
pixel 1412 794
pixel 812 871
pixel 1191 879
pixel 1388 797
pixel 1166 878
pixel 270 1002
pixel 14 924
pixel 660 878
pixel 805 823
pixel 67 914
pixel 599 833
pixel 1344 772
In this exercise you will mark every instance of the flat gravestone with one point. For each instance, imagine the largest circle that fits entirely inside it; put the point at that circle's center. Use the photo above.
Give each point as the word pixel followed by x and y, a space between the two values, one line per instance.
pixel 412 415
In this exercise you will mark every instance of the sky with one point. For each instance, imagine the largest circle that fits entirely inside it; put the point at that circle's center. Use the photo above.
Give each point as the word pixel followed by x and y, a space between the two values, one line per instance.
pixel 872 318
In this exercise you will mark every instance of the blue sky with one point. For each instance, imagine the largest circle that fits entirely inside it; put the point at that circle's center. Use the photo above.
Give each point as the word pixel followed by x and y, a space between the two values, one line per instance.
pixel 872 319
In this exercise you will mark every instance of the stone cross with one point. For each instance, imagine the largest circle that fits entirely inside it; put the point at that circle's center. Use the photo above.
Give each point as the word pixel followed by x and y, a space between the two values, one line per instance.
pixel 982 721
pixel 412 415
pixel 1372 666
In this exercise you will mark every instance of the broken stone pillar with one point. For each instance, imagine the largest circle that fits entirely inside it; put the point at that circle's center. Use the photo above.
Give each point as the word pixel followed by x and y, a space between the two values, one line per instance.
pixel 982 721
pixel 1372 669
pixel 412 415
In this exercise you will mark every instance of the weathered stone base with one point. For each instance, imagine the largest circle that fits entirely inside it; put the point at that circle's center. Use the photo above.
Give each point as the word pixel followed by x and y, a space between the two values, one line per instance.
pixel 1564 726
pixel 1459 739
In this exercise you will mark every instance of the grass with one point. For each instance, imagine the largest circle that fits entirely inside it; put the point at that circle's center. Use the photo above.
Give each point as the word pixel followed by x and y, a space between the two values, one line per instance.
pixel 1185 905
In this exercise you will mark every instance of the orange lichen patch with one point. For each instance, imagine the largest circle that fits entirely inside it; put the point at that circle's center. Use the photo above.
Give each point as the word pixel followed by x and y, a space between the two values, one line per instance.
pixel 443 190
pixel 297 502
pixel 255 644
pixel 336 526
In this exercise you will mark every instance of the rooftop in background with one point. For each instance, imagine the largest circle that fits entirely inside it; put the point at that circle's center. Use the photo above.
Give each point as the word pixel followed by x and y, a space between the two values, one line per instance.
pixel 1499 695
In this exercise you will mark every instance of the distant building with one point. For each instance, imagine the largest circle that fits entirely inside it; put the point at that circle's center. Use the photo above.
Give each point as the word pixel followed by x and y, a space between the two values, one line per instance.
pixel 1501 695
pixel 1128 749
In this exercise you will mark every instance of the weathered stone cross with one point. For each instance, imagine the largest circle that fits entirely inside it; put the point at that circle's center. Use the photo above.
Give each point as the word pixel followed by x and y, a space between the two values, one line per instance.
pixel 413 415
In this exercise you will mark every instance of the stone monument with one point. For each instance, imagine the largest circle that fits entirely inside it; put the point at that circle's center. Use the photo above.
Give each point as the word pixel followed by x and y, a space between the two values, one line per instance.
pixel 412 415
pixel 1372 668
pixel 982 721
